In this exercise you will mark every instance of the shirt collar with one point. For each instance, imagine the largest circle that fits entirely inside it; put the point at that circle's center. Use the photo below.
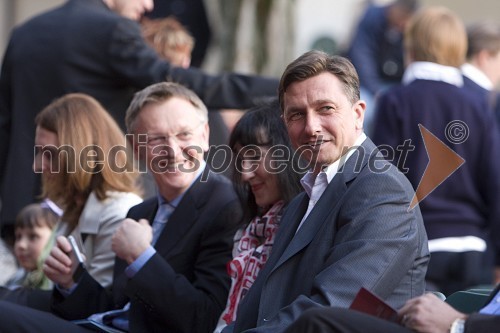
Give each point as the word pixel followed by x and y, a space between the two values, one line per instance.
pixel 308 180
pixel 476 75
pixel 175 202
pixel 423 70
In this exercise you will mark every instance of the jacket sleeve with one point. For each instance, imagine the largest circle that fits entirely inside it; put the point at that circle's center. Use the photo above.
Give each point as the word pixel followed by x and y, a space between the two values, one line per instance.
pixel 376 245
pixel 139 66
pixel 476 323
pixel 184 305
pixel 87 298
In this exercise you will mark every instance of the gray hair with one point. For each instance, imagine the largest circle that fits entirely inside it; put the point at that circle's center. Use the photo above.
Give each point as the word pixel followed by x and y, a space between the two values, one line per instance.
pixel 160 92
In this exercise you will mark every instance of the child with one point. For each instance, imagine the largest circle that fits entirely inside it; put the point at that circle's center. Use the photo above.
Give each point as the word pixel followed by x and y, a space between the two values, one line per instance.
pixel 170 39
pixel 33 230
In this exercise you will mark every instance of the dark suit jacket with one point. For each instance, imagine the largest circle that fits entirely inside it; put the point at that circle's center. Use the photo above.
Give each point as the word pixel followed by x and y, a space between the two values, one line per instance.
pixel 360 233
pixel 85 47
pixel 184 286
pixel 478 323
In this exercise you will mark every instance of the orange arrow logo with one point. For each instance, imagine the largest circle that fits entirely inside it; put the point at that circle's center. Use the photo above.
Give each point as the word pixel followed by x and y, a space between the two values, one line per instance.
pixel 443 162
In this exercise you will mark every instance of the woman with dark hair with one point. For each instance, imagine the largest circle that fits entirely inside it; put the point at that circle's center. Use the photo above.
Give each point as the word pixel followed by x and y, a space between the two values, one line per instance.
pixel 266 177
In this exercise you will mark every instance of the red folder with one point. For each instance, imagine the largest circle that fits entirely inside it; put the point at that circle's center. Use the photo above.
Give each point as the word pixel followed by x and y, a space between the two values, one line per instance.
pixel 367 302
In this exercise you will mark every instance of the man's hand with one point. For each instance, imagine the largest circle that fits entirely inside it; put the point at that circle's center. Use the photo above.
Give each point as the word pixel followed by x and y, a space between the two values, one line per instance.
pixel 131 239
pixel 428 314
pixel 61 263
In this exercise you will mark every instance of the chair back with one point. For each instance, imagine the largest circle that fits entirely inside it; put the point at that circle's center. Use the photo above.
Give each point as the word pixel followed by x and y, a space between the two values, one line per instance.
pixel 467 301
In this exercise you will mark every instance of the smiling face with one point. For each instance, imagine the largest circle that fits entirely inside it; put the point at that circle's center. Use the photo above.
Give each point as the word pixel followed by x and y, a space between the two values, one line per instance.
pixel 29 245
pixel 177 138
pixel 257 171
pixel 321 121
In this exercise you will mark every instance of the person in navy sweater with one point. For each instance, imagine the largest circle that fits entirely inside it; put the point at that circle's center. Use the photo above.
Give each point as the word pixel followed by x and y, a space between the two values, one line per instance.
pixel 464 208
pixel 376 50
pixel 482 69
pixel 481 75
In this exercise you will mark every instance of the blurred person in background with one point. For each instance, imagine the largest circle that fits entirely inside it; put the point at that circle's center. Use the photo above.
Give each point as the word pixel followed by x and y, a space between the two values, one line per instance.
pixel 482 69
pixel 172 41
pixel 93 47
pixel 74 144
pixel 376 50
pixel 33 229
pixel 193 15
pixel 463 209
pixel 481 76
pixel 7 262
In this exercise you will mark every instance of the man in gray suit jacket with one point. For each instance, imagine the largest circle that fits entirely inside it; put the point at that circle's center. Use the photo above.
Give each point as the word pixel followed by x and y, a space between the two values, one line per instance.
pixel 353 227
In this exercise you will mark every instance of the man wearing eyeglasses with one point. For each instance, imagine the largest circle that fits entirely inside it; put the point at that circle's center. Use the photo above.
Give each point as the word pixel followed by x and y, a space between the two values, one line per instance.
pixel 93 47
pixel 170 272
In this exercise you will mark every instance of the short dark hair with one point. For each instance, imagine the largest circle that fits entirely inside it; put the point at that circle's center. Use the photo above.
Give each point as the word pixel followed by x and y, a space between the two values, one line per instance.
pixel 313 63
pixel 262 126
pixel 36 215
pixel 483 36
pixel 159 93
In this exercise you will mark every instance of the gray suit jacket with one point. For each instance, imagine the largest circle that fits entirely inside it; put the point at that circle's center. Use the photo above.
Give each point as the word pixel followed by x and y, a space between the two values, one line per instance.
pixel 360 233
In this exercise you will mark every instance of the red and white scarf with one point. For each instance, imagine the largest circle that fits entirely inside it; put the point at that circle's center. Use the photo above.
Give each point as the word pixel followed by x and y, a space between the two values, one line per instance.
pixel 249 256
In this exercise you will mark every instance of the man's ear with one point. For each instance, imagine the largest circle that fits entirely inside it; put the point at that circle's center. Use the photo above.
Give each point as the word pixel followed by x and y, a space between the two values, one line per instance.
pixel 359 113
pixel 205 137
pixel 482 59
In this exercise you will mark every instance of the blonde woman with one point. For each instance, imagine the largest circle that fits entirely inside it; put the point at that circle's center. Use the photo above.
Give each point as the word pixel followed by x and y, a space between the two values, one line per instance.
pixel 84 170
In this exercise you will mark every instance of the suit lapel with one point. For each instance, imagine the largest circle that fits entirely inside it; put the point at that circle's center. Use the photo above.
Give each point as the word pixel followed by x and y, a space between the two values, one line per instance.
pixel 184 216
pixel 181 220
pixel 288 225
pixel 327 204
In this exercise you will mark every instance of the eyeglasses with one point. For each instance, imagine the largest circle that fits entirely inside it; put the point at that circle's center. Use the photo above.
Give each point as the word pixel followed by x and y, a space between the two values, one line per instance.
pixel 184 136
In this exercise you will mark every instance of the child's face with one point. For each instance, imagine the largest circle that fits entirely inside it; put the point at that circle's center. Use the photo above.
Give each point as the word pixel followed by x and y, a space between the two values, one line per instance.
pixel 29 245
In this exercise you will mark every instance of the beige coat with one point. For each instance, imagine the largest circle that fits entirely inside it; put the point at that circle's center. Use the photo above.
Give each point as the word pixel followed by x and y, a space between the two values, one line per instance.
pixel 97 223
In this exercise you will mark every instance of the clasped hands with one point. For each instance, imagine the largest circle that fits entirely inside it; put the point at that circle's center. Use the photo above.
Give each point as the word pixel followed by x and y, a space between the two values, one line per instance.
pixel 129 241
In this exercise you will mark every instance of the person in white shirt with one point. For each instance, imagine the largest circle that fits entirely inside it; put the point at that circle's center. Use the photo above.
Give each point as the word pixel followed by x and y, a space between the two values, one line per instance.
pixel 483 55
